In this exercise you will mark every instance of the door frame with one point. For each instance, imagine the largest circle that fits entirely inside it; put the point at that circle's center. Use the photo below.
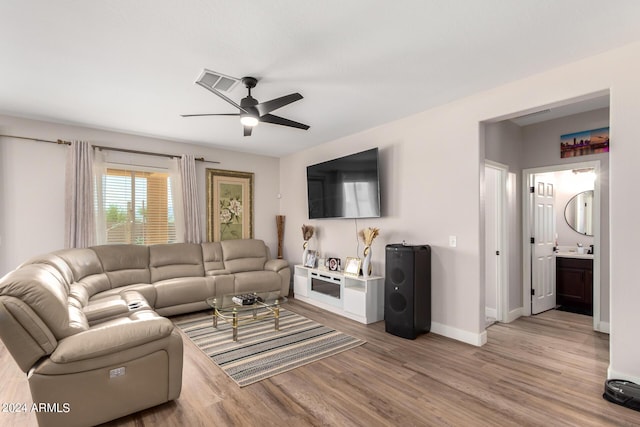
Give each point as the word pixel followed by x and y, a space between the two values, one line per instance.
pixel 502 272
pixel 527 221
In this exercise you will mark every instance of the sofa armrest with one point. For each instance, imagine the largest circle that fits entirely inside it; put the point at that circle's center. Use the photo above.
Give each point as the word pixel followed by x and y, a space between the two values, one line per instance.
pixel 276 265
pixel 111 337
pixel 104 309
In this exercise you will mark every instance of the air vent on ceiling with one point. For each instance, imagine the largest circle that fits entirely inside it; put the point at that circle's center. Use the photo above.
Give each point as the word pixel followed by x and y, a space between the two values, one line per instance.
pixel 217 81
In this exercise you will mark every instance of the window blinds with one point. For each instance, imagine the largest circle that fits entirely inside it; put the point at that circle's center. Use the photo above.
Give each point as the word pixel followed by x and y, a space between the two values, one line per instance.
pixel 137 207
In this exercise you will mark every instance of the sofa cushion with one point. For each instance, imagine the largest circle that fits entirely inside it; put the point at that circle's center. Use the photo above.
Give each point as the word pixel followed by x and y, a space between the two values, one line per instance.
pixel 257 281
pixel 212 258
pixel 82 262
pixel 92 285
pixel 124 264
pixel 78 295
pixel 183 290
pixel 276 265
pixel 169 261
pixel 244 255
pixel 42 288
pixel 54 260
pixel 111 337
pixel 147 291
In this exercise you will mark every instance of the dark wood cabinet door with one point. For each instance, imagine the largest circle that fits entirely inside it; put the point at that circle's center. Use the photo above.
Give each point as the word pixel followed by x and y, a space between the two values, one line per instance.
pixel 588 285
pixel 574 283
pixel 570 285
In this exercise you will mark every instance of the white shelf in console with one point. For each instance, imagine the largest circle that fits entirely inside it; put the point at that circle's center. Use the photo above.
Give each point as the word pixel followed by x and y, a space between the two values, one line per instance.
pixel 358 298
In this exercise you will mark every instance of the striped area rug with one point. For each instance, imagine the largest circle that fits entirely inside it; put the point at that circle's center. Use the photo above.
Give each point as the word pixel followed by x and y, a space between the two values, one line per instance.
pixel 262 352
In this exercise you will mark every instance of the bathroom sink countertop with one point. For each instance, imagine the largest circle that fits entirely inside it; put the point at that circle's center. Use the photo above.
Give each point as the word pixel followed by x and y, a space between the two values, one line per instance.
pixel 571 254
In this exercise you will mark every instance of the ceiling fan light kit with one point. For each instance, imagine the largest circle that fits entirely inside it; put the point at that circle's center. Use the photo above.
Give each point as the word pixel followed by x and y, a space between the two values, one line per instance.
pixel 251 111
pixel 248 120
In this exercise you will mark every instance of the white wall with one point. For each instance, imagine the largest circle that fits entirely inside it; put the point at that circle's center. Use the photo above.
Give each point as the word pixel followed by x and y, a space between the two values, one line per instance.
pixel 504 144
pixel 31 200
pixel 541 141
pixel 431 180
pixel 424 178
pixel 32 183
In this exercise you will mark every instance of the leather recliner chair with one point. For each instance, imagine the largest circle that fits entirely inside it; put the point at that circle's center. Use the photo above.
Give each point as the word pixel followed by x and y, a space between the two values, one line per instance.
pixel 84 374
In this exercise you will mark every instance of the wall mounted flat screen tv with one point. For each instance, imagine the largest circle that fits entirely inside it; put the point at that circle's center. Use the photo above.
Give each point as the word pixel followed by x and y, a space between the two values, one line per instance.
pixel 347 187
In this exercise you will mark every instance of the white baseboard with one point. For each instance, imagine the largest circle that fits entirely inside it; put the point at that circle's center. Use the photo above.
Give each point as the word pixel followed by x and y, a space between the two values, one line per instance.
pixel 514 314
pixel 604 327
pixel 458 334
pixel 491 312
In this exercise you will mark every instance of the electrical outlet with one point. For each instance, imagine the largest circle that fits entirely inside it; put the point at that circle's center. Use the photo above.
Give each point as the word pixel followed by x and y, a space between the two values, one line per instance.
pixel 453 241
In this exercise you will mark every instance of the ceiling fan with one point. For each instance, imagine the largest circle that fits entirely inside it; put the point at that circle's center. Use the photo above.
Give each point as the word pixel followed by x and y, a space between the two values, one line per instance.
pixel 252 112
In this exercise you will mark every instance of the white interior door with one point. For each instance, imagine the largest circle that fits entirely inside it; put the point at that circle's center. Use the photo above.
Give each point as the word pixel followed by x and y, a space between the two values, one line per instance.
pixel 492 246
pixel 497 222
pixel 543 263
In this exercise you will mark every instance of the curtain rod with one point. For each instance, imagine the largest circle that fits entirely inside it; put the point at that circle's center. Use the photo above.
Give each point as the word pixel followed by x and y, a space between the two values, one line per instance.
pixel 99 147
pixel 125 150
pixel 59 141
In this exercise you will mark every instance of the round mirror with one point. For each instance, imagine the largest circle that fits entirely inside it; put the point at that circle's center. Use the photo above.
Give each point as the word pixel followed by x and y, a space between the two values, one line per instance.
pixel 579 213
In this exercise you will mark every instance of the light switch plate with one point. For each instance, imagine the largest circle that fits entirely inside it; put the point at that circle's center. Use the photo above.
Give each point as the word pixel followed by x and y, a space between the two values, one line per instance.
pixel 453 241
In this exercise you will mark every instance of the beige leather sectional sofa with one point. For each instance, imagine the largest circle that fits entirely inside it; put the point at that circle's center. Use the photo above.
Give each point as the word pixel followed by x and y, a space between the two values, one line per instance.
pixel 86 325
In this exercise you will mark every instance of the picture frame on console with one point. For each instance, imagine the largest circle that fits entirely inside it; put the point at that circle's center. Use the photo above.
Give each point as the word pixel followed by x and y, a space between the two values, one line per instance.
pixel 352 266
pixel 310 261
pixel 229 205
pixel 333 264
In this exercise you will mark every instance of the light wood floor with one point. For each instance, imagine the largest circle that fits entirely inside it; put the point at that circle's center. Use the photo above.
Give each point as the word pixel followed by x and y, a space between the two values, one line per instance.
pixel 544 370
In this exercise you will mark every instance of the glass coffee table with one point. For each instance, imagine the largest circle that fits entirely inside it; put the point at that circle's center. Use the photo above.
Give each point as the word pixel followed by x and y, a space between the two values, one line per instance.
pixel 266 305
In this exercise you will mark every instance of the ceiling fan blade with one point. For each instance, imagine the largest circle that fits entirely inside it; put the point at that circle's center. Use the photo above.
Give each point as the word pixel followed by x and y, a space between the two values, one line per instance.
pixel 274 104
pixel 215 92
pixel 200 115
pixel 277 120
pixel 247 130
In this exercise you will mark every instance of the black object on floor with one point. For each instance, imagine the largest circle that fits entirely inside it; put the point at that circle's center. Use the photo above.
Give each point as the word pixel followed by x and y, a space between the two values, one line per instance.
pixel 623 393
pixel 577 310
pixel 407 290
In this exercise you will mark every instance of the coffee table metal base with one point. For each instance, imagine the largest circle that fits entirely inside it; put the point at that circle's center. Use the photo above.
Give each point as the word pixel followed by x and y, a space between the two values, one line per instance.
pixel 235 319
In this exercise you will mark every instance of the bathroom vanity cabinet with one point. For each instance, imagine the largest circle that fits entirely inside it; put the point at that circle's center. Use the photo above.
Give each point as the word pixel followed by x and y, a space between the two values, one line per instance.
pixel 574 284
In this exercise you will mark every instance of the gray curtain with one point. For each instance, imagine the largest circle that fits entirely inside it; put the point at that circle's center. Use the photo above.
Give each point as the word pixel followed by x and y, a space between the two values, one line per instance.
pixel 80 227
pixel 192 229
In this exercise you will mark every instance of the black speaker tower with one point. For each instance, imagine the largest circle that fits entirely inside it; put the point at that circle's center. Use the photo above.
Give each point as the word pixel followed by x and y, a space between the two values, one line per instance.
pixel 407 290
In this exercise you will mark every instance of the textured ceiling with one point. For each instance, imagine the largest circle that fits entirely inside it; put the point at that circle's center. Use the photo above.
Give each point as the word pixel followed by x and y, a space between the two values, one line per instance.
pixel 130 66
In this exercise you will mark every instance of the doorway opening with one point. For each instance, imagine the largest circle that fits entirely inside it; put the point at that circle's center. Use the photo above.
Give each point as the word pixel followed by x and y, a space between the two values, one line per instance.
pixel 528 143
pixel 548 239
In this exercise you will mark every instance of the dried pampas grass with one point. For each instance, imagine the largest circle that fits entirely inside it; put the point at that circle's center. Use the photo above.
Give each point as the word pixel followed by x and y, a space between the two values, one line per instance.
pixel 368 234
pixel 307 231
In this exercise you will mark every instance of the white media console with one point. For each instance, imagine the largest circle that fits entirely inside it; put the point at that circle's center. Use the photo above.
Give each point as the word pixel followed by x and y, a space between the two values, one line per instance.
pixel 358 298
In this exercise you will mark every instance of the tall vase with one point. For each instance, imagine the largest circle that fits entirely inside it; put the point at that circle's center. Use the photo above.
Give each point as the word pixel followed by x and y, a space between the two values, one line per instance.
pixel 280 227
pixel 366 264
pixel 305 251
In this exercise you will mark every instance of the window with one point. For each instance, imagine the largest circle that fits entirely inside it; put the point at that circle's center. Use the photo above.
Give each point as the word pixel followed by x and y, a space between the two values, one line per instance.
pixel 136 207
